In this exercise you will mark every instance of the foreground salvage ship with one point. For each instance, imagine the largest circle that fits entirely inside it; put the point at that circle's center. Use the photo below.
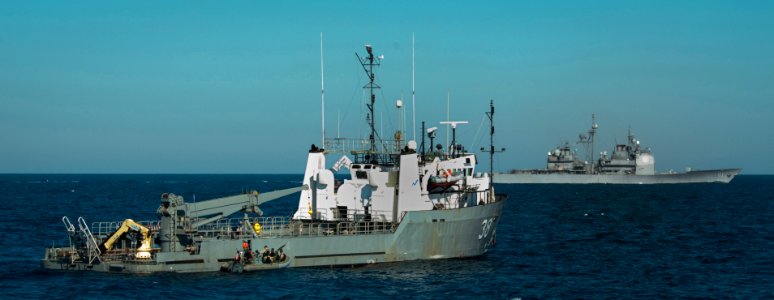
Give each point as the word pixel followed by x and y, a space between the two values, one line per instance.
pixel 398 204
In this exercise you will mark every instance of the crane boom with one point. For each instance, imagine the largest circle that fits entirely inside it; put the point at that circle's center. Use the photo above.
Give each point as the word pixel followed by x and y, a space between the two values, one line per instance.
pixel 126 226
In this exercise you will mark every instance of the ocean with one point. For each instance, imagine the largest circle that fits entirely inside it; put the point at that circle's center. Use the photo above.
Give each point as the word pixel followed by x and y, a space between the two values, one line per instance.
pixel 553 241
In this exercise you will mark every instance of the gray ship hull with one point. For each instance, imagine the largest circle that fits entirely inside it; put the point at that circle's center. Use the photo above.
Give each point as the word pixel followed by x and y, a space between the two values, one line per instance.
pixel 706 176
pixel 433 234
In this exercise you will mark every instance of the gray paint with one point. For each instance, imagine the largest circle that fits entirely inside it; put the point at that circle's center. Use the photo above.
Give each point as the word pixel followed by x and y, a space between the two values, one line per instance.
pixel 432 234
pixel 708 176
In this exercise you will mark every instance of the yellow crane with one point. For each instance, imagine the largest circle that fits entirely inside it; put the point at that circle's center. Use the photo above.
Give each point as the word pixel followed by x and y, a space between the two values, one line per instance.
pixel 144 252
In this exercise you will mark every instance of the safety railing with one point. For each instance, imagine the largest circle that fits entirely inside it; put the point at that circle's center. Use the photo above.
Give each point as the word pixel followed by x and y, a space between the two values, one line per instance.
pixel 462 198
pixel 102 230
pixel 353 146
pixel 276 227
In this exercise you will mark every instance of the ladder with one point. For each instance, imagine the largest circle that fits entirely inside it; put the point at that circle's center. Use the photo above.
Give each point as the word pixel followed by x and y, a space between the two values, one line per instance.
pixel 91 243
pixel 73 237
pixel 69 226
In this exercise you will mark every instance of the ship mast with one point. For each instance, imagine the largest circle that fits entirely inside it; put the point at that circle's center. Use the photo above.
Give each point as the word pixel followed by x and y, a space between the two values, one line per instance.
pixel 592 131
pixel 322 89
pixel 492 150
pixel 413 108
pixel 368 64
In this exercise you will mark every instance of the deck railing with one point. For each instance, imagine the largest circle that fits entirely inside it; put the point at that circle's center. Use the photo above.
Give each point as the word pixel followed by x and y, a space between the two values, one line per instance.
pixel 355 222
pixel 102 230
pixel 275 227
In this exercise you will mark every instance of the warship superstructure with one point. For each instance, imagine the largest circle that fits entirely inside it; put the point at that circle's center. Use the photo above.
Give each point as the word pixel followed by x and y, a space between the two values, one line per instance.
pixel 398 203
pixel 629 163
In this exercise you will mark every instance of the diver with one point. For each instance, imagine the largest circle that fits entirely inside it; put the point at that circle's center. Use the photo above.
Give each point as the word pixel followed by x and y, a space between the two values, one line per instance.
pixel 281 255
pixel 265 255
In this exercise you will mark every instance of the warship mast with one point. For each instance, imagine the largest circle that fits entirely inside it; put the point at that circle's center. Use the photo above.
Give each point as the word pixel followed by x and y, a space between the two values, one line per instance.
pixel 592 131
pixel 368 64
pixel 588 142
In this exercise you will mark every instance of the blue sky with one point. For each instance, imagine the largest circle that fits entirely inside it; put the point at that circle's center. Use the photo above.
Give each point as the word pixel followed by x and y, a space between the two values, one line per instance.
pixel 212 87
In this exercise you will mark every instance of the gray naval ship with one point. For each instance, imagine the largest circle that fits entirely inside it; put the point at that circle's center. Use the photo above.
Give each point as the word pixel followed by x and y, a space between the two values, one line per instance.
pixel 398 204
pixel 629 164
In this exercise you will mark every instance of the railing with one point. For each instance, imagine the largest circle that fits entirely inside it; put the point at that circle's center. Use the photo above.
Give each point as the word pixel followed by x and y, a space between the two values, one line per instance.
pixel 232 228
pixel 236 228
pixel 352 146
pixel 341 228
pixel 462 198
pixel 430 155
pixel 360 214
pixel 104 229
pixel 275 227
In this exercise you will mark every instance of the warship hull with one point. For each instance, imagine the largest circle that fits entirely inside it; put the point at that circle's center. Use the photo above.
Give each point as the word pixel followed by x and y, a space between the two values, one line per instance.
pixel 705 176
pixel 421 235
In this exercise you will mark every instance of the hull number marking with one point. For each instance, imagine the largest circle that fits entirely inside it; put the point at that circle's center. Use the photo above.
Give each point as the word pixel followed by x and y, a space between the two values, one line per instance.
pixel 486 228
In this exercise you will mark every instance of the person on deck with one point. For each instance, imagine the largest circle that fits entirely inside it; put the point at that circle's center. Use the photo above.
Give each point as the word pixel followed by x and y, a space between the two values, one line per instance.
pixel 265 255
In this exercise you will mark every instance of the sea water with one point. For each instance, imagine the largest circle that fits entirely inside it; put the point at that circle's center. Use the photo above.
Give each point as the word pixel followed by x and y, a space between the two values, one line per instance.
pixel 553 241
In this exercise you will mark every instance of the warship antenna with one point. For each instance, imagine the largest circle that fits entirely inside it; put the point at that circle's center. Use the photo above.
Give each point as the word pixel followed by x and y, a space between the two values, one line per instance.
pixel 492 150
pixel 322 90
pixel 368 64
pixel 413 107
pixel 592 131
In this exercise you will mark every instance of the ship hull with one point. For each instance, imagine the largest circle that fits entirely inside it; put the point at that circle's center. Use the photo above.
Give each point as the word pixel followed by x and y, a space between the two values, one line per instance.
pixel 434 234
pixel 705 176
